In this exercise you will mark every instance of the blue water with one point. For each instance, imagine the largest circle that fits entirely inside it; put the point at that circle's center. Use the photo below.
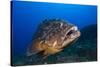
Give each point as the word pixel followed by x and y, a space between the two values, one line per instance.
pixel 27 15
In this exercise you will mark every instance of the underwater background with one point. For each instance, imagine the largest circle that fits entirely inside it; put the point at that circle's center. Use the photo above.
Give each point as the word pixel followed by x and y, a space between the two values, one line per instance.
pixel 25 18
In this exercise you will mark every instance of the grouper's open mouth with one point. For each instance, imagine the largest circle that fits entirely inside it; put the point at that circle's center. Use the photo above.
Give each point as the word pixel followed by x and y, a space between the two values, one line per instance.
pixel 71 35
pixel 73 32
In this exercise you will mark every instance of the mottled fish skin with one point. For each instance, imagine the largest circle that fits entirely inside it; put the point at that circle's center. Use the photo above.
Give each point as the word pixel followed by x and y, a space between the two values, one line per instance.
pixel 52 35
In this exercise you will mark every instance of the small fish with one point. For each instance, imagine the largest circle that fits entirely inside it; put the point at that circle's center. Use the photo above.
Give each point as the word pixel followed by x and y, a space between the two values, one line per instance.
pixel 52 36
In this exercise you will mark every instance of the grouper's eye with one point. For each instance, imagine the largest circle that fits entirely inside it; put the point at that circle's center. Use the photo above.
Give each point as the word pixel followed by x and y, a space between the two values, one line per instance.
pixel 70 32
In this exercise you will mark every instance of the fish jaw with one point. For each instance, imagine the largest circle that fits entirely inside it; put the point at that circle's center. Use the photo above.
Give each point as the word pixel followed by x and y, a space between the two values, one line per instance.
pixel 70 38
